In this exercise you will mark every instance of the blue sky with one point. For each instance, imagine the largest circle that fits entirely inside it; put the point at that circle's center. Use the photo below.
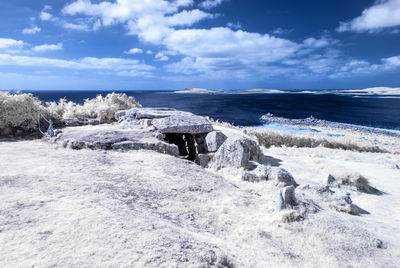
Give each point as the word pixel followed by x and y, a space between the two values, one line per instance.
pixel 216 44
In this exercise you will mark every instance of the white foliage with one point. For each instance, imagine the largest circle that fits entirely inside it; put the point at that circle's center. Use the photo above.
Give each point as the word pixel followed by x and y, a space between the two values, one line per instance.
pixel 102 108
pixel 19 111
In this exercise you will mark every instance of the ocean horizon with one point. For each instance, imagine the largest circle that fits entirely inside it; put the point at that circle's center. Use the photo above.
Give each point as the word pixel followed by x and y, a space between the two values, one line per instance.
pixel 246 109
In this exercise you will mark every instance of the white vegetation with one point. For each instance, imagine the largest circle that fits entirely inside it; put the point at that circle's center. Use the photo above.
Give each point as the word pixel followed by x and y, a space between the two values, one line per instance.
pixel 19 111
pixel 269 137
pixel 102 108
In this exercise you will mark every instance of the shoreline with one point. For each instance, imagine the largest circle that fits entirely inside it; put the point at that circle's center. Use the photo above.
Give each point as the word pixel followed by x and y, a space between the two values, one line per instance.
pixel 312 122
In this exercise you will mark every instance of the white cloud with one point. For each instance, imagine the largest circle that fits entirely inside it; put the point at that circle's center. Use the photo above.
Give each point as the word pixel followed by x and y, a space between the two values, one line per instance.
pixel 208 4
pixel 134 51
pixel 187 18
pixel 149 52
pixel 151 20
pixel 97 25
pixel 8 43
pixel 73 26
pixel 281 31
pixel 361 67
pixel 234 45
pixel 32 30
pixel 383 14
pixel 45 16
pixel 121 66
pixel 161 57
pixel 234 26
pixel 48 47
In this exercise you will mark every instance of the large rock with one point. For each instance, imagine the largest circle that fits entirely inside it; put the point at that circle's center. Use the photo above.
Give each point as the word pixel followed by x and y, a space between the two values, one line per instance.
pixel 281 176
pixel 214 140
pixel 113 137
pixel 183 124
pixel 237 151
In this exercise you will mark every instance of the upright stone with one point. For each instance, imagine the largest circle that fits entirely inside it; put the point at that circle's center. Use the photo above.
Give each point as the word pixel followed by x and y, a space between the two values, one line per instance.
pixel 214 140
pixel 237 152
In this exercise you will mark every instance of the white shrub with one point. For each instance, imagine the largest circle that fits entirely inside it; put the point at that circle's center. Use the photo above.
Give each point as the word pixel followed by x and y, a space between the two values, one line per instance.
pixel 18 111
pixel 102 108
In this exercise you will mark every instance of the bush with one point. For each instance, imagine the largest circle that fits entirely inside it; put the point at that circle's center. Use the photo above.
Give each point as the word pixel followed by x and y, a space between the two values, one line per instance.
pixel 18 112
pixel 270 138
pixel 101 108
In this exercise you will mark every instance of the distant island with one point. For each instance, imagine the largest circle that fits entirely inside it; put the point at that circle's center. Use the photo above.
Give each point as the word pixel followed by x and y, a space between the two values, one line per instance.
pixel 382 91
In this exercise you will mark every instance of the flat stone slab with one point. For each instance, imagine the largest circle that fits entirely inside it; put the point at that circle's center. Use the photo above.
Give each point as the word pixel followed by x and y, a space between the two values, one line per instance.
pixel 183 124
pixel 113 137
pixel 149 113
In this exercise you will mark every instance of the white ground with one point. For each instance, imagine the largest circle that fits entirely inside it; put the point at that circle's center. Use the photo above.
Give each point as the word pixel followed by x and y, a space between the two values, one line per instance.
pixel 66 208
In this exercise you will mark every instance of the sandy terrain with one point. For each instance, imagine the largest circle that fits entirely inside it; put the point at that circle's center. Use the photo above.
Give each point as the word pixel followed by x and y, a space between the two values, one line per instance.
pixel 67 208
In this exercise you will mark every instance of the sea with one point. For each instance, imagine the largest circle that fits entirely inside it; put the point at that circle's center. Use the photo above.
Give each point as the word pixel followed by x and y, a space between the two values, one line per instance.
pixel 246 109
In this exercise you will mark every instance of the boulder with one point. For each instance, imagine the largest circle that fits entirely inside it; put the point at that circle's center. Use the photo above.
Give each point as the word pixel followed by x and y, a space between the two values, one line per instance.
pixel 285 198
pixel 259 173
pixel 237 151
pixel 183 124
pixel 281 176
pixel 214 140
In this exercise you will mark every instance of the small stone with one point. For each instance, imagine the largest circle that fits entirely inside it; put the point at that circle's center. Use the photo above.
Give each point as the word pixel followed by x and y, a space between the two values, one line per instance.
pixel 285 198
pixel 250 176
pixel 330 180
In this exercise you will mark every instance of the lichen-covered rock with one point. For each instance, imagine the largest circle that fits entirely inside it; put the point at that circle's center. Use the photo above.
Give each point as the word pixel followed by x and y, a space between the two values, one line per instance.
pixel 183 124
pixel 110 137
pixel 285 198
pixel 237 152
pixel 151 113
pixel 256 174
pixel 214 140
pixel 281 176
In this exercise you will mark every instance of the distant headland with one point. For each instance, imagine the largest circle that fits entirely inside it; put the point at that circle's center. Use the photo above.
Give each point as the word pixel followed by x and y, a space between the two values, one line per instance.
pixel 383 91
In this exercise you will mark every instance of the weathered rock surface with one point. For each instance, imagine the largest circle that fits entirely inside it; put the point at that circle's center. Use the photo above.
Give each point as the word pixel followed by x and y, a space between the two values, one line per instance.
pixel 237 151
pixel 285 198
pixel 149 113
pixel 154 113
pixel 281 176
pixel 107 137
pixel 183 124
pixel 214 140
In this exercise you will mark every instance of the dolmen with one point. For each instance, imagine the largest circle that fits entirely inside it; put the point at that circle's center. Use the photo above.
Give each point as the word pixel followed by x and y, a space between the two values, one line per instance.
pixel 178 133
